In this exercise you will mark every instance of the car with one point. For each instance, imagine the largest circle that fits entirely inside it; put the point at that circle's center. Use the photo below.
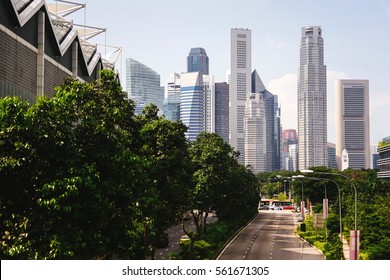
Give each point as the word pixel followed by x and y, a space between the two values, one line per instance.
pixel 162 240
pixel 264 207
pixel 184 239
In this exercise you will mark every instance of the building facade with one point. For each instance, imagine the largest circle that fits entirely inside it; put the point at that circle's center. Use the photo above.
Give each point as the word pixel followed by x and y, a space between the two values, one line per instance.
pixel 289 137
pixel 198 61
pixel 209 103
pixel 353 123
pixel 143 83
pixel 171 107
pixel 255 133
pixel 383 162
pixel 40 48
pixel 312 100
pixel 192 103
pixel 222 110
pixel 240 86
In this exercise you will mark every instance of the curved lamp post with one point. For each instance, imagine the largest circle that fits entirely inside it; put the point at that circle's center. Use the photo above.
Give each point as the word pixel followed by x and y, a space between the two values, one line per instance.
pixel 308 171
pixel 302 202
pixel 338 187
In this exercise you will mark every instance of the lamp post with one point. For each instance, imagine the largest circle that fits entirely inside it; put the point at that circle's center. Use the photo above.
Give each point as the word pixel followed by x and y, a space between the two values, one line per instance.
pixel 302 202
pixel 339 190
pixel 355 255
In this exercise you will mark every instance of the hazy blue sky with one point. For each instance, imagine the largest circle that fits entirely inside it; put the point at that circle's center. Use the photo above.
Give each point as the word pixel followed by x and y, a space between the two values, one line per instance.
pixel 160 33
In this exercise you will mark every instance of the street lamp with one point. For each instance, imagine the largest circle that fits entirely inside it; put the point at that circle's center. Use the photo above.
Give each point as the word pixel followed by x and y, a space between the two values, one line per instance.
pixel 355 232
pixel 302 202
pixel 338 187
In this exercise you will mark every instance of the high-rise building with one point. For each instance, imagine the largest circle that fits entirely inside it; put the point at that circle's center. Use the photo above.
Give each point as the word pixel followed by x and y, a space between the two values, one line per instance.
pixel 292 162
pixel 240 86
pixel 209 103
pixel 312 100
pixel 171 105
pixel 353 122
pixel 143 82
pixel 255 133
pixel 384 159
pixel 332 156
pixel 192 103
pixel 289 137
pixel 198 61
pixel 222 110
pixel 257 83
pixel 273 126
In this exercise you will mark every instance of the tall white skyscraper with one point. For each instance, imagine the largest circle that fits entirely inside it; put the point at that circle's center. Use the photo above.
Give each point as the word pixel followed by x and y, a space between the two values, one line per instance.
pixel 353 123
pixel 312 106
pixel 255 133
pixel 240 86
pixel 209 102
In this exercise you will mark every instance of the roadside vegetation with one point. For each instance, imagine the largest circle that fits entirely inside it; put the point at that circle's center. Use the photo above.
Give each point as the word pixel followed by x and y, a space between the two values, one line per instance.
pixel 373 208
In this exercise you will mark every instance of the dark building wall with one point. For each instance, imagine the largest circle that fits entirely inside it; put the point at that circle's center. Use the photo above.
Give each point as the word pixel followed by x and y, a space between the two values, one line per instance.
pixel 54 77
pixel 18 69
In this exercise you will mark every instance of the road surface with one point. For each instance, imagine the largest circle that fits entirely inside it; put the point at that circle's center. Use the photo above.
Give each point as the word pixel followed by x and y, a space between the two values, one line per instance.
pixel 270 236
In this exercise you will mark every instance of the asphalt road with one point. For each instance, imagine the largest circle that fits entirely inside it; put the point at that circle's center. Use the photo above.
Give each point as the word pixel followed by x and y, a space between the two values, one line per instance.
pixel 270 236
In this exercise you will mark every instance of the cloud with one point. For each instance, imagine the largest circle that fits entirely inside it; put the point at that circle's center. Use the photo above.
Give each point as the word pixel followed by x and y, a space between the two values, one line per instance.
pixel 271 42
pixel 286 89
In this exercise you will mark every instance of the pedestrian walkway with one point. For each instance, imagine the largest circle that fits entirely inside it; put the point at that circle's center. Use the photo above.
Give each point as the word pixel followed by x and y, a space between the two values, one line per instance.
pixel 345 248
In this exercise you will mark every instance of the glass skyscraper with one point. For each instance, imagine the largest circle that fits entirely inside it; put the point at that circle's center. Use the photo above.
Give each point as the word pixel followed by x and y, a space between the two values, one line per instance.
pixel 143 83
pixel 312 104
pixel 192 104
pixel 198 61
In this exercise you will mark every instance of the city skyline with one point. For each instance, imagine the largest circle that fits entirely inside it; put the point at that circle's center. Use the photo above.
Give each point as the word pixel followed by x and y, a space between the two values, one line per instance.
pixel 348 28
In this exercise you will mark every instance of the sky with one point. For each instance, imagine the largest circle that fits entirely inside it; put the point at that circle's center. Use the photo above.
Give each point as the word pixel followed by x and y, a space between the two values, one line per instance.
pixel 160 34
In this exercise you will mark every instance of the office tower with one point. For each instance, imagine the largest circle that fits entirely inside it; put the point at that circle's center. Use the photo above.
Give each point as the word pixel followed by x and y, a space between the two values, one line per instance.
pixel 292 163
pixel 198 61
pixel 273 126
pixel 312 106
pixel 192 103
pixel 332 156
pixel 240 86
pixel 222 110
pixel 384 159
pixel 257 83
pixel 209 103
pixel 352 122
pixel 255 133
pixel 143 82
pixel 272 116
pixel 289 137
pixel 172 98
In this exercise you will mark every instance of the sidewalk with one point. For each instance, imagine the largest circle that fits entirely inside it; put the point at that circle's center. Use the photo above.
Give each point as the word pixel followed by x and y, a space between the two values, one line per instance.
pixel 345 248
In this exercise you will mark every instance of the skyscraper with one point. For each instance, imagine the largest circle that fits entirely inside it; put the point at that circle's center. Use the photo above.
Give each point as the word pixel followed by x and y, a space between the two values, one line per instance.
pixel 192 103
pixel 198 61
pixel 209 103
pixel 273 126
pixel 352 122
pixel 255 133
pixel 240 86
pixel 312 104
pixel 222 110
pixel 172 99
pixel 143 83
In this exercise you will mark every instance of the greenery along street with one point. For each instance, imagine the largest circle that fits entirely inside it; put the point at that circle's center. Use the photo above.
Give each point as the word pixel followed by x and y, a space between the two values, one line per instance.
pixel 373 208
pixel 83 177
